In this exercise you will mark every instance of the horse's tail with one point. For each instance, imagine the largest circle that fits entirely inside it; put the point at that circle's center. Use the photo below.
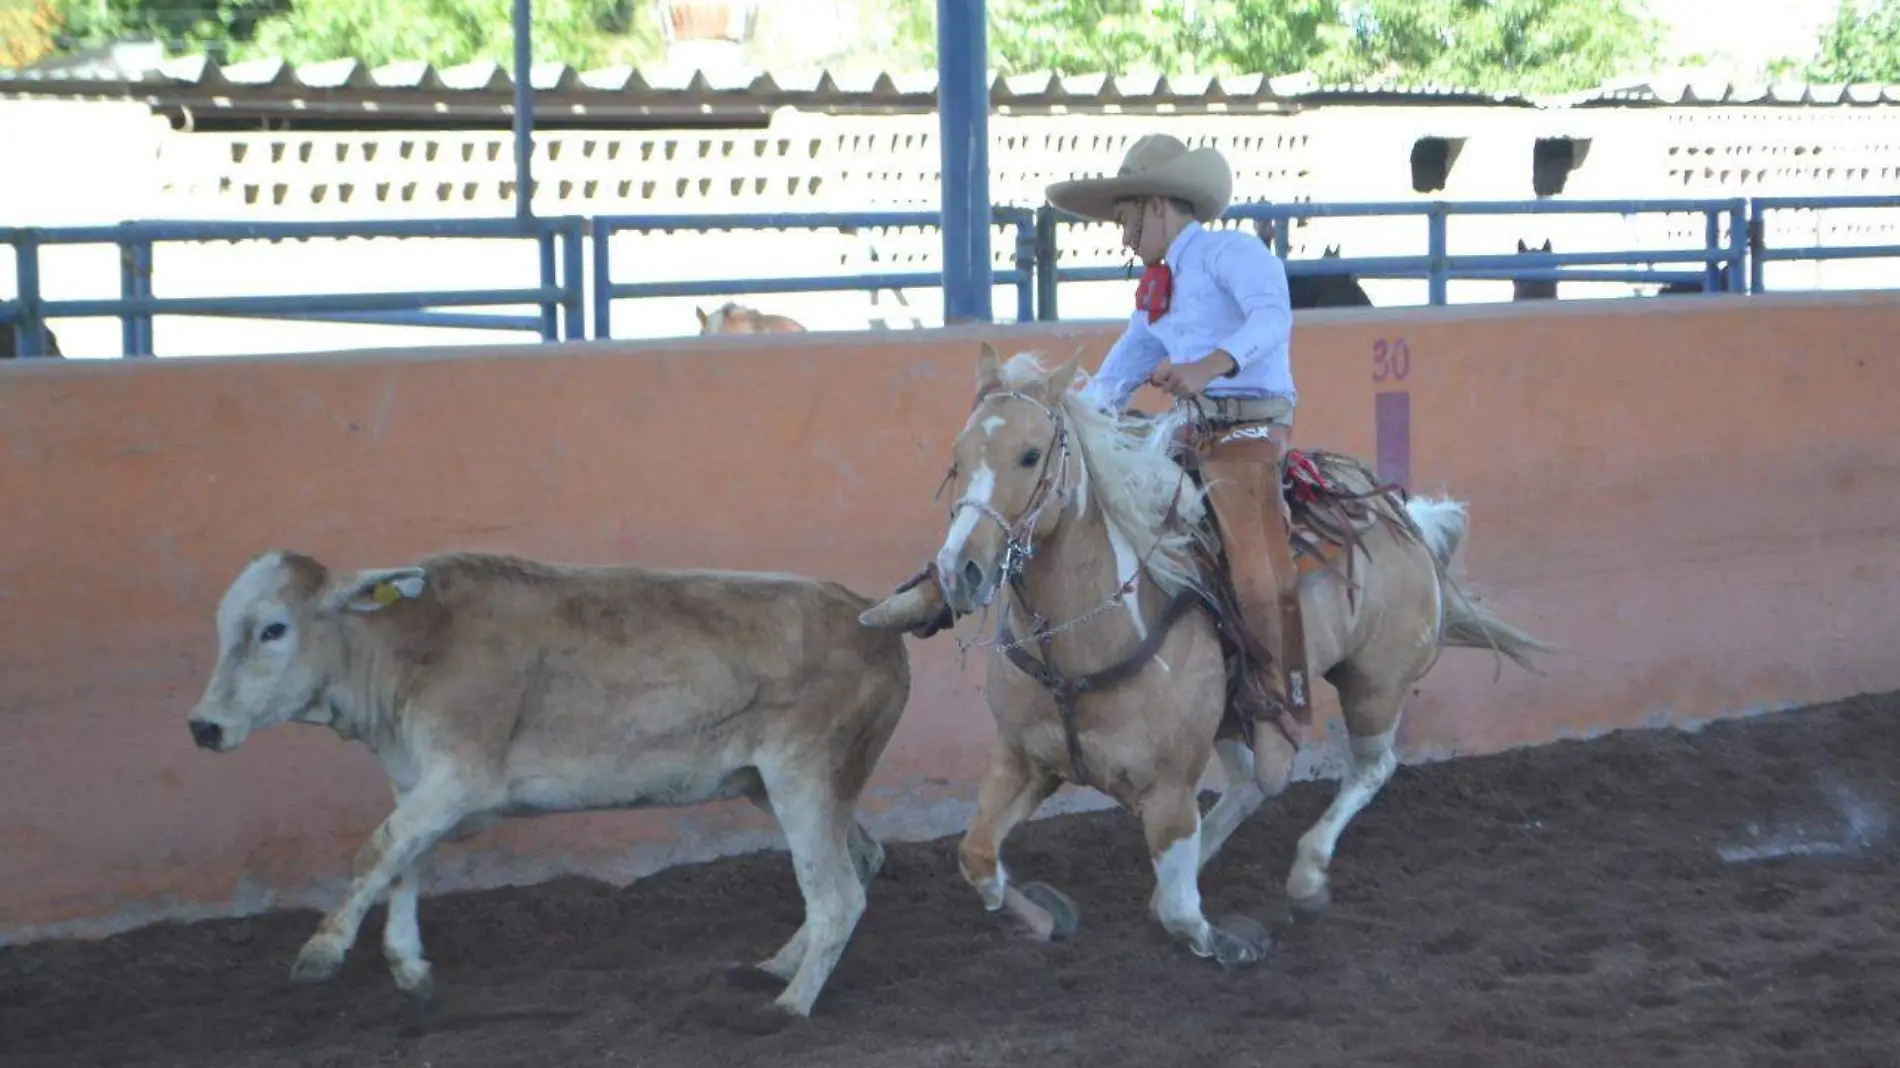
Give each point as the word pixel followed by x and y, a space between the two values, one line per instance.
pixel 1467 624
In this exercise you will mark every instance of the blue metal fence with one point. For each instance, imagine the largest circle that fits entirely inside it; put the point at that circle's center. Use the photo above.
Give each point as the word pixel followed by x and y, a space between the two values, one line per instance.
pixel 1760 255
pixel 1437 266
pixel 559 297
pixel 606 290
pixel 1731 259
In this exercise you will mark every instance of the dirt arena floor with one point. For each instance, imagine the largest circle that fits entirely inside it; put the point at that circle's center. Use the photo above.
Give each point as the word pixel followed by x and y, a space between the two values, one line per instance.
pixel 1585 904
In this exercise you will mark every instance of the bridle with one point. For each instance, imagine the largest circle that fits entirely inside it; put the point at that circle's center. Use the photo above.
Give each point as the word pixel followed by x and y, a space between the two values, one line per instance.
pixel 1018 537
pixel 1019 548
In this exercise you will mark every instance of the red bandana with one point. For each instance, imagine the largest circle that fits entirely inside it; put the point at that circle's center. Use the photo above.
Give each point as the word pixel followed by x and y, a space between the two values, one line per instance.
pixel 1155 291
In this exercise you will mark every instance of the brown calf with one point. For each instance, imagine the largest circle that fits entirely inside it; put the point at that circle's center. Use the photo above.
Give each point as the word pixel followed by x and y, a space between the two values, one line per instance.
pixel 492 686
pixel 734 318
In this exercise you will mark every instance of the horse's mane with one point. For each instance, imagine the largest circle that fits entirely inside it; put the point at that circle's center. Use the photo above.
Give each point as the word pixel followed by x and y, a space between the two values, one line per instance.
pixel 1128 471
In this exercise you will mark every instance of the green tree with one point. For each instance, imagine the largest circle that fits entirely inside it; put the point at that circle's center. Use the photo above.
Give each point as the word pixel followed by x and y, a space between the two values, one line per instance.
pixel 1862 45
pixel 210 26
pixel 1533 46
pixel 581 33
pixel 29 31
pixel 1527 45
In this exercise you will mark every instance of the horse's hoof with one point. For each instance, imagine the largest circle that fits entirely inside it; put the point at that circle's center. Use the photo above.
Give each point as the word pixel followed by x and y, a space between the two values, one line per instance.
pixel 1061 908
pixel 316 963
pixel 420 990
pixel 1312 906
pixel 1238 941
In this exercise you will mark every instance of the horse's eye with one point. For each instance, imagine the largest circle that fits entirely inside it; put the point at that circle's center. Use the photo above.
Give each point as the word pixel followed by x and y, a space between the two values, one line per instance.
pixel 271 633
pixel 1032 457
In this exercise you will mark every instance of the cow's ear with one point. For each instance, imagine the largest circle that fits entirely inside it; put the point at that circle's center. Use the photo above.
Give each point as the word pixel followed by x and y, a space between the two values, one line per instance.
pixel 373 590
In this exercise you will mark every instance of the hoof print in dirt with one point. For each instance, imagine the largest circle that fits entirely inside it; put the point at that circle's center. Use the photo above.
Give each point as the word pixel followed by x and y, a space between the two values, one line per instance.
pixel 1062 909
pixel 751 977
pixel 1239 942
pixel 761 1019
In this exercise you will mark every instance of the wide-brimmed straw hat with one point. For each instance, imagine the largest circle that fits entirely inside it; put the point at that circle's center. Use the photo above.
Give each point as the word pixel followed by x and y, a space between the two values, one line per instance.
pixel 1156 166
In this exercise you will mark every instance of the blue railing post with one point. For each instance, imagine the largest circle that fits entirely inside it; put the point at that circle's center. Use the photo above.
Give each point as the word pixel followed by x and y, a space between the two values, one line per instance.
pixel 1025 260
pixel 128 291
pixel 1756 242
pixel 1046 264
pixel 26 259
pixel 135 283
pixel 1738 246
pixel 963 107
pixel 573 278
pixel 524 110
pixel 603 280
pixel 550 326
pixel 1711 243
pixel 1436 249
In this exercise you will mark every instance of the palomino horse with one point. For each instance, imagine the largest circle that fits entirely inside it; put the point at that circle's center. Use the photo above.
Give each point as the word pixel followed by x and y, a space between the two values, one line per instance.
pixel 735 318
pixel 1101 539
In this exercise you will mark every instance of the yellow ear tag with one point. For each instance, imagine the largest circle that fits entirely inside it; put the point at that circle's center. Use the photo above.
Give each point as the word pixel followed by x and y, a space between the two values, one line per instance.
pixel 386 594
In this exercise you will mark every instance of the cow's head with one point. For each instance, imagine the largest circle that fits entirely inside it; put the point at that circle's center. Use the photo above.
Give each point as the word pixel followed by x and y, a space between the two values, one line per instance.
pixel 280 643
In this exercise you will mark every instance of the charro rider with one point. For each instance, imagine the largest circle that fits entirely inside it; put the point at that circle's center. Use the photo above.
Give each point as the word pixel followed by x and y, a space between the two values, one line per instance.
pixel 1212 326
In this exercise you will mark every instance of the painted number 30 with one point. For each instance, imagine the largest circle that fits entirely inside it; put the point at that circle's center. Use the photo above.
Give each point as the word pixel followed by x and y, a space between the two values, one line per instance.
pixel 1391 360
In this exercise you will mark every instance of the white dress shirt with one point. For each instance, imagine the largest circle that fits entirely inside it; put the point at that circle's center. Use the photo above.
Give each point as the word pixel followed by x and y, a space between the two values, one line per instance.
pixel 1230 293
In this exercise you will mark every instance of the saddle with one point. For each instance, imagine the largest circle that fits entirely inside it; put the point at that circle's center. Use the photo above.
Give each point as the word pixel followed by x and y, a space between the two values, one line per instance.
pixel 1326 520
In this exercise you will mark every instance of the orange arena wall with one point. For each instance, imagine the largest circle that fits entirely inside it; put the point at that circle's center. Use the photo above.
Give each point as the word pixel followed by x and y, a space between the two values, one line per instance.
pixel 1695 497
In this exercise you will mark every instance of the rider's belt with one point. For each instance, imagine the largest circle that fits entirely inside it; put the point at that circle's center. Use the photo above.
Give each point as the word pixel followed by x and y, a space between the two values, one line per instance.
pixel 1274 410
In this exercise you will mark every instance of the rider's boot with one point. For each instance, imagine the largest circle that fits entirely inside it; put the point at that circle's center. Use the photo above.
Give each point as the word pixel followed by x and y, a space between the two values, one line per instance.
pixel 1243 480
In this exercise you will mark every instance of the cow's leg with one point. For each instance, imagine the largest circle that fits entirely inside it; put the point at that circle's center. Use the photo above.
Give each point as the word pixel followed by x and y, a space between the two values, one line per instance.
pixel 402 938
pixel 867 857
pixel 867 853
pixel 817 830
pixel 420 820
pixel 402 934
pixel 1012 789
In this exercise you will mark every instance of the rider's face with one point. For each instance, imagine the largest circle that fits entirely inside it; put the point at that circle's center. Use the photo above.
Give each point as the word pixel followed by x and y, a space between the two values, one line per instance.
pixel 1142 229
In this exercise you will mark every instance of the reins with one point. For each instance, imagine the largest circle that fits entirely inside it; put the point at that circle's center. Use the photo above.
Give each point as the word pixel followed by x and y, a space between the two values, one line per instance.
pixel 1019 549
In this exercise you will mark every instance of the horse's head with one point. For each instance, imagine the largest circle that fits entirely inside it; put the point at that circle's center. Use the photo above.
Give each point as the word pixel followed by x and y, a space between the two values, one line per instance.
pixel 1008 470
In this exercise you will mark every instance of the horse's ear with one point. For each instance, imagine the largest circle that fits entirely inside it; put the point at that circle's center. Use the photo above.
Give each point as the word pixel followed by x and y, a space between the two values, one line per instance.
pixel 1064 375
pixel 988 376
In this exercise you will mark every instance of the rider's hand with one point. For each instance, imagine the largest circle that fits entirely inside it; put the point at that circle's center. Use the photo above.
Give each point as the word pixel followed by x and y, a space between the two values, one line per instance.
pixel 1186 380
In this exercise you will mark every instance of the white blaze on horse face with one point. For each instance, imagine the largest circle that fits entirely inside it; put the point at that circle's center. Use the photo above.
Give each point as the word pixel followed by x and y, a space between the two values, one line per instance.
pixel 989 425
pixel 982 487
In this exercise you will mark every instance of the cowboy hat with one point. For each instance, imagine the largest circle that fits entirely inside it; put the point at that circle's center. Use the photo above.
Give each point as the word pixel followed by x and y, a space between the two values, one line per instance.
pixel 1157 165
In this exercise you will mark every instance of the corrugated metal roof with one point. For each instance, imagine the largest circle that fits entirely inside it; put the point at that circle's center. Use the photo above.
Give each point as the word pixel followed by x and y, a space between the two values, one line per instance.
pixel 1692 92
pixel 814 87
pixel 347 84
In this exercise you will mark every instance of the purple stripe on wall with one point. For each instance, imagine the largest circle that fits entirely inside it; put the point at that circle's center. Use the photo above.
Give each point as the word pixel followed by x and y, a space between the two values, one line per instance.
pixel 1392 429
